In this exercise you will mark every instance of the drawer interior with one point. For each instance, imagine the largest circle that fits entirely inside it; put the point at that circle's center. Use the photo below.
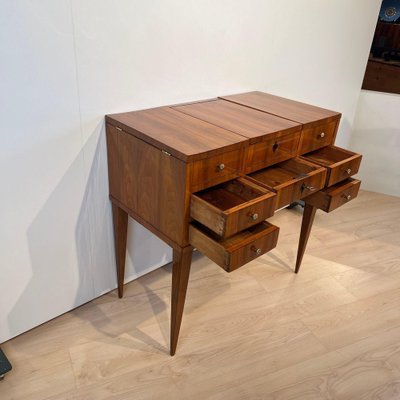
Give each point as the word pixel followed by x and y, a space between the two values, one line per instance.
pixel 330 155
pixel 285 173
pixel 231 194
pixel 291 180
pixel 340 163
pixel 232 206
pixel 240 239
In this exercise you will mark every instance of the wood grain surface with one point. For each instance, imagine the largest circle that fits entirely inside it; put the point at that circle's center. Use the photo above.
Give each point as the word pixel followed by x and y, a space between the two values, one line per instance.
pixel 261 332
pixel 317 136
pixel 291 180
pixel 120 224
pixel 340 163
pixel 185 137
pixel 303 113
pixel 306 225
pixel 250 123
pixel 319 125
pixel 232 206
pixel 158 159
pixel 331 198
pixel 275 148
pixel 237 250
pixel 149 183
pixel 215 170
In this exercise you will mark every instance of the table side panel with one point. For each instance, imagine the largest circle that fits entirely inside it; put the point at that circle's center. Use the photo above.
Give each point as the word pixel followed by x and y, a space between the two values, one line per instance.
pixel 185 137
pixel 150 183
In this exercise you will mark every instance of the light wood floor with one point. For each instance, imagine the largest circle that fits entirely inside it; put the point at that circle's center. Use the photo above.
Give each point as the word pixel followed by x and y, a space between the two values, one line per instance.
pixel 261 332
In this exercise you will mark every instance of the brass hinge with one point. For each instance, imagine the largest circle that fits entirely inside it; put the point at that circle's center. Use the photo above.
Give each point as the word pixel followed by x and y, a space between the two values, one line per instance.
pixel 118 128
pixel 166 152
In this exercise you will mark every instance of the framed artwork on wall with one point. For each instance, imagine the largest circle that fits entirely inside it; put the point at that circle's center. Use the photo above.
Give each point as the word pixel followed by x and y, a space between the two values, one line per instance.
pixel 383 68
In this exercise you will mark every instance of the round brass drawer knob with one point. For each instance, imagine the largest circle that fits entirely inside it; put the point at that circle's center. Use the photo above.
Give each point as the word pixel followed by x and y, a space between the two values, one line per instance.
pixel 348 171
pixel 220 167
pixel 307 187
pixel 321 135
pixel 256 250
pixel 347 196
pixel 254 216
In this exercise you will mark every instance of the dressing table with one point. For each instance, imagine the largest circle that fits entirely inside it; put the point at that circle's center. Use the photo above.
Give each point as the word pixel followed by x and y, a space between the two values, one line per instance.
pixel 209 174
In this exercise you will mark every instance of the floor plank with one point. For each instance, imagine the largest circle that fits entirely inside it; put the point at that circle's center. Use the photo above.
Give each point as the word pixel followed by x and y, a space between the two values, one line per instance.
pixel 261 332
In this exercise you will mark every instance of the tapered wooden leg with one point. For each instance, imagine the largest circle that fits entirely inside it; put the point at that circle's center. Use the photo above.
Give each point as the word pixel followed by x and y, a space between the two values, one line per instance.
pixel 120 219
pixel 306 224
pixel 182 259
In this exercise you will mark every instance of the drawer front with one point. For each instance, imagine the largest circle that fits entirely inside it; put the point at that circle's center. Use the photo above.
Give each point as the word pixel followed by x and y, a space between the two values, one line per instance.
pixel 331 198
pixel 291 180
pixel 256 248
pixel 279 148
pixel 250 215
pixel 300 189
pixel 216 169
pixel 317 136
pixel 238 250
pixel 233 206
pixel 343 170
pixel 340 163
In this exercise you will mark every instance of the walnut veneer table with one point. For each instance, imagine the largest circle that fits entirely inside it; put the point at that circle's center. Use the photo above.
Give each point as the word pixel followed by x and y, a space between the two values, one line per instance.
pixel 208 174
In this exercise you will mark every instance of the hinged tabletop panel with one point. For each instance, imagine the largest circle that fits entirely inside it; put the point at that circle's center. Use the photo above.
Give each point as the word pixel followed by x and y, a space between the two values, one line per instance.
pixel 248 122
pixel 181 135
pixel 305 114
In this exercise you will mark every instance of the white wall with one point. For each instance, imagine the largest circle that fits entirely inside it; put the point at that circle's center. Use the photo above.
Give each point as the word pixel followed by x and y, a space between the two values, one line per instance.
pixel 376 135
pixel 67 63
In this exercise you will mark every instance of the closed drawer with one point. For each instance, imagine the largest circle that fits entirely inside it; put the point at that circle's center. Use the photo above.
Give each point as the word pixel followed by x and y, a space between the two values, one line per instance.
pixel 232 206
pixel 335 196
pixel 216 169
pixel 317 136
pixel 277 148
pixel 340 163
pixel 237 250
pixel 291 180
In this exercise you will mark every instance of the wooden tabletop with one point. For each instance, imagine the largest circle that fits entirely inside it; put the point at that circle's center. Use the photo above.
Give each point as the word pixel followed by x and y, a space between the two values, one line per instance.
pixel 183 136
pixel 302 113
pixel 252 124
pixel 199 130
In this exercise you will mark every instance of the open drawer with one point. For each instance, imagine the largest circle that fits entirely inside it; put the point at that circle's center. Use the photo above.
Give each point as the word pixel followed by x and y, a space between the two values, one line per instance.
pixel 237 250
pixel 291 180
pixel 340 163
pixel 232 206
pixel 331 198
